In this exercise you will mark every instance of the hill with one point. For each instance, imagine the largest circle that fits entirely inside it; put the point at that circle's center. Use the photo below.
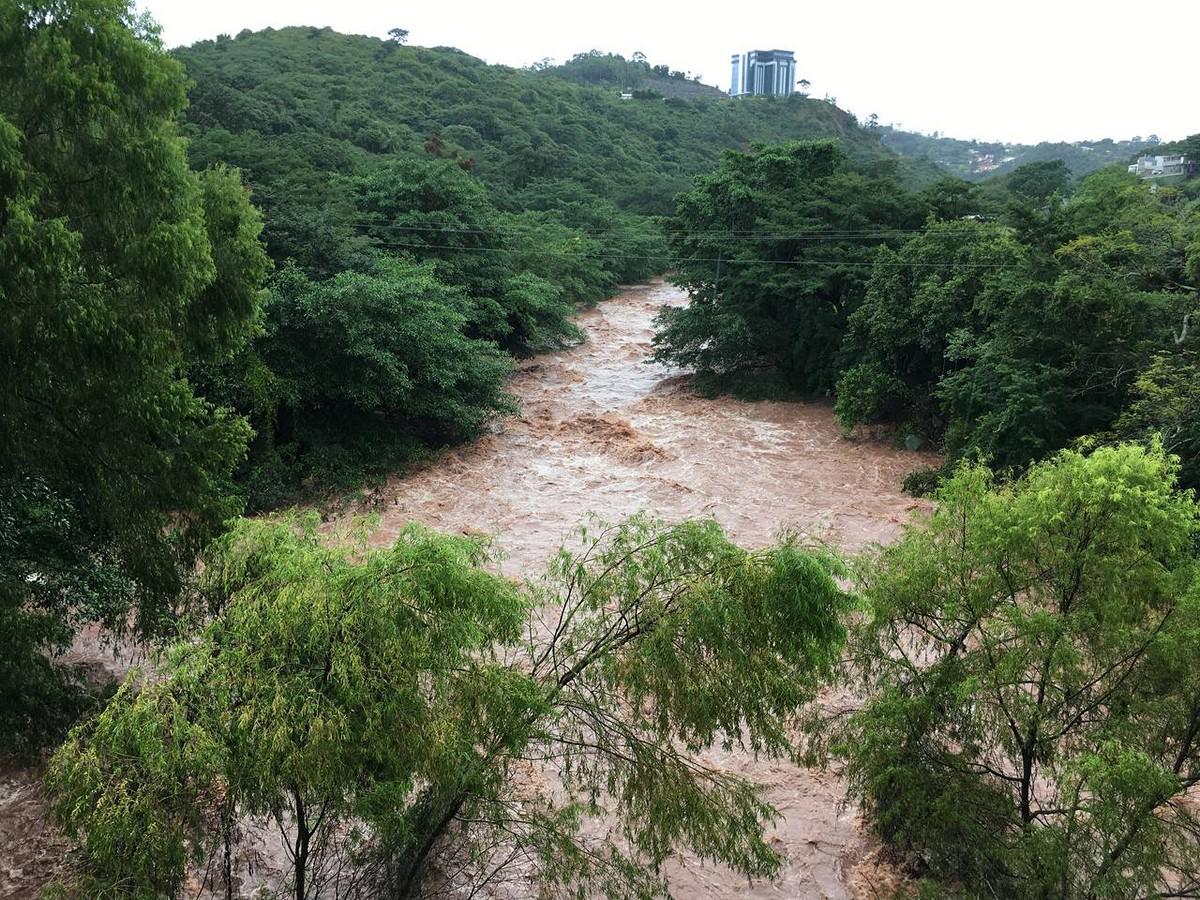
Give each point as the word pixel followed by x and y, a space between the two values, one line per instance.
pixel 978 160
pixel 418 197
pixel 637 75
pixel 1189 147
pixel 329 101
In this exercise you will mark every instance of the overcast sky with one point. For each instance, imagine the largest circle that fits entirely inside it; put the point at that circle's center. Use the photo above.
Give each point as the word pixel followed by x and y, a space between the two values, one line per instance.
pixel 1022 70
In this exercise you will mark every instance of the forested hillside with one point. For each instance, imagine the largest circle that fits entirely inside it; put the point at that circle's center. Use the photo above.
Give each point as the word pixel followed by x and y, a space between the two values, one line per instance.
pixel 645 80
pixel 306 92
pixel 472 205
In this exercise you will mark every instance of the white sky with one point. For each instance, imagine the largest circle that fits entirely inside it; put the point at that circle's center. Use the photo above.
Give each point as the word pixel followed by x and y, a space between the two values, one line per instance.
pixel 1015 70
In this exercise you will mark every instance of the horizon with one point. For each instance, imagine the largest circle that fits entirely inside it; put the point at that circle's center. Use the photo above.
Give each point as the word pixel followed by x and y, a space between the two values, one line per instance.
pixel 943 77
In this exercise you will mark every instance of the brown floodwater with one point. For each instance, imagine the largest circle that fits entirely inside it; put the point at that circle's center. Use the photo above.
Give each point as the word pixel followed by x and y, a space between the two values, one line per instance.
pixel 603 431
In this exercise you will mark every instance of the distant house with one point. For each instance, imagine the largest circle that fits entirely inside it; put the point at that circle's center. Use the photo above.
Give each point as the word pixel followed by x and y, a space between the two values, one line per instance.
pixel 769 73
pixel 1162 166
pixel 983 162
pixel 626 95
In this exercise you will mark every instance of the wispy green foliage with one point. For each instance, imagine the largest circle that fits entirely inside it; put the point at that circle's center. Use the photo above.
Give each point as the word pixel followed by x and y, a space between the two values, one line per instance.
pixel 1033 706
pixel 380 705
pixel 329 681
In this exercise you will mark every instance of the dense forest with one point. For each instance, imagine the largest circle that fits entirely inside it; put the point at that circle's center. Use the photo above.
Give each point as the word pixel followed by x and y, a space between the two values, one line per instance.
pixel 237 275
pixel 1003 322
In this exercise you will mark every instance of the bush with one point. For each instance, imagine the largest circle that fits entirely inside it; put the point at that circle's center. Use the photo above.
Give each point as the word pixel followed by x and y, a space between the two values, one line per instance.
pixel 923 482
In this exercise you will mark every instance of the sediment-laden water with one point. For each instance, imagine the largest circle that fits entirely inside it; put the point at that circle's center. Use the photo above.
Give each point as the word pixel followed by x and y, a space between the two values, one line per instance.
pixel 603 431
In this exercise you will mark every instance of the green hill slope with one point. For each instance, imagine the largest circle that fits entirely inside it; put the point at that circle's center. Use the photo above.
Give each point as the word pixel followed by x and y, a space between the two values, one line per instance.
pixel 638 75
pixel 418 198
pixel 328 101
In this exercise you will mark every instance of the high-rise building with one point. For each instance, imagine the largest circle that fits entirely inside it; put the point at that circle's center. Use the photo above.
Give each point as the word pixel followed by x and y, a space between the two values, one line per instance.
pixel 770 72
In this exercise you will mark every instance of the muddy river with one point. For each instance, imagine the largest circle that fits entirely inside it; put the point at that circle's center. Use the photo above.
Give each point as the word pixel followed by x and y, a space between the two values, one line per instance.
pixel 603 431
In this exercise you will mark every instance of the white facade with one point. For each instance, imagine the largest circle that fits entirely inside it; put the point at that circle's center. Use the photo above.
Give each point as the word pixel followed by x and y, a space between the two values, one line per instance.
pixel 1159 166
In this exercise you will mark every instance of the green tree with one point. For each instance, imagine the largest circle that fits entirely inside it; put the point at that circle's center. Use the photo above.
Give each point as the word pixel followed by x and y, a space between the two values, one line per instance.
pixel 1032 718
pixel 1013 340
pixel 924 301
pixel 119 268
pixel 1165 400
pixel 1037 182
pixel 381 703
pixel 952 198
pixel 373 367
pixel 433 210
pixel 775 249
pixel 328 680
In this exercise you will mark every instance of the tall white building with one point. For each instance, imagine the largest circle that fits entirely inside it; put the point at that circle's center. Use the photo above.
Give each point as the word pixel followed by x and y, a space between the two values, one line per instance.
pixel 769 72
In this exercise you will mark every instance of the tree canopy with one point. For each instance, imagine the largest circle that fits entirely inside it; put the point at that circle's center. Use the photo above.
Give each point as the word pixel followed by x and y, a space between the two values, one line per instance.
pixel 1013 338
pixel 775 249
pixel 1006 321
pixel 1033 707
pixel 119 267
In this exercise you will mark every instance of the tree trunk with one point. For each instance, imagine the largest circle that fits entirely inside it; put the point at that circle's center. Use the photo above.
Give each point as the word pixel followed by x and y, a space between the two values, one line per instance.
pixel 433 815
pixel 301 848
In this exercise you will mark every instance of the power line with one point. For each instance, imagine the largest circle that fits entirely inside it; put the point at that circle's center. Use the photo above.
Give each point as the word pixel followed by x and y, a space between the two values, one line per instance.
pixel 746 238
pixel 694 259
pixel 745 234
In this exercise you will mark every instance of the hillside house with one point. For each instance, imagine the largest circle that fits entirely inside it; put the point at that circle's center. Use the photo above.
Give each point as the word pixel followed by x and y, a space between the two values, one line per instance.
pixel 1162 166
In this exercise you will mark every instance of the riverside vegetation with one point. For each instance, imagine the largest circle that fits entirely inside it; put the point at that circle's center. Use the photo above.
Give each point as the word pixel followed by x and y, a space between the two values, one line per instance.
pixel 1002 322
pixel 1028 722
